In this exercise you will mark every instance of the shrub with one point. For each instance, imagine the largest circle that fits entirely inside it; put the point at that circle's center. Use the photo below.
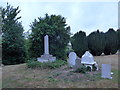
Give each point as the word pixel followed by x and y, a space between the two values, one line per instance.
pixel 50 65
pixel 111 42
pixel 96 42
pixel 94 68
pixel 88 68
pixel 79 43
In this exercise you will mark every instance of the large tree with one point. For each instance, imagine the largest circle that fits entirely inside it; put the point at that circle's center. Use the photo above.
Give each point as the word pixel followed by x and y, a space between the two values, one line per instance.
pixel 111 42
pixel 79 43
pixel 13 50
pixel 96 42
pixel 59 33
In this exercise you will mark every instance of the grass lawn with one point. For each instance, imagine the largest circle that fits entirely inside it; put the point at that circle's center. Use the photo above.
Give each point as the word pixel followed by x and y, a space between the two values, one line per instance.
pixel 19 76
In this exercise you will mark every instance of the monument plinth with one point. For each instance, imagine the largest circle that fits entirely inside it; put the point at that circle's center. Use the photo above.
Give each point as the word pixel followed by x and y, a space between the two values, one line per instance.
pixel 46 56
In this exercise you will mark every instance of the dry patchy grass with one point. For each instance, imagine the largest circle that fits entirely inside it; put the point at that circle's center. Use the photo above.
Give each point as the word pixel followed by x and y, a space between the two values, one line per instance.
pixel 19 76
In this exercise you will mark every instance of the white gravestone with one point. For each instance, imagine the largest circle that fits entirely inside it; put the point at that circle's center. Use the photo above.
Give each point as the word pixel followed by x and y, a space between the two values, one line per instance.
pixel 88 60
pixel 46 56
pixel 72 58
pixel 106 71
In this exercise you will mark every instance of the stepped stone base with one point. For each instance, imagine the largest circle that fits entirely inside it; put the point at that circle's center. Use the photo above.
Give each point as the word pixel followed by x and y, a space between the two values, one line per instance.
pixel 46 58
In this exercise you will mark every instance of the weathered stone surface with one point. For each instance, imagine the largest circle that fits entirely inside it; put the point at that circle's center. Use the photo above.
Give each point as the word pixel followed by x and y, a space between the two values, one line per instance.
pixel 72 58
pixel 46 56
pixel 77 64
pixel 106 71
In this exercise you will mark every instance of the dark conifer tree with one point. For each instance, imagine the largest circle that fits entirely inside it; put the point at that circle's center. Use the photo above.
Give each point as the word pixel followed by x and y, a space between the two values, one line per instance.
pixel 96 42
pixel 79 43
pixel 13 51
pixel 111 42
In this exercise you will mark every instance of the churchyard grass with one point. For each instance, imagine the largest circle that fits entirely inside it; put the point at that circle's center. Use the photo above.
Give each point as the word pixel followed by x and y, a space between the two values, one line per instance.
pixel 20 76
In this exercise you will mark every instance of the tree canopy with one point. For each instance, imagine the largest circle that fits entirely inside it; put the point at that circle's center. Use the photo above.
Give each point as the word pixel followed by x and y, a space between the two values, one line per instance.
pixel 79 43
pixel 96 42
pixel 111 42
pixel 13 50
pixel 59 34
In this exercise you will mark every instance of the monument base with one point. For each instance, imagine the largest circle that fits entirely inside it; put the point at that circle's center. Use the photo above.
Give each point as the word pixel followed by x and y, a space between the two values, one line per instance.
pixel 46 58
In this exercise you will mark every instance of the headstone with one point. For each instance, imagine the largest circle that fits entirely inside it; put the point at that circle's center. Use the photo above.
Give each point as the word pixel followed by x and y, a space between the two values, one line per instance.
pixel 106 71
pixel 87 58
pixel 72 58
pixel 77 64
pixel 46 56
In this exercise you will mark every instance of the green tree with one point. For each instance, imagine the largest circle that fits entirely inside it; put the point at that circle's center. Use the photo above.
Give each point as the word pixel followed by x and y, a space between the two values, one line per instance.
pixel 12 33
pixel 79 43
pixel 96 42
pixel 0 23
pixel 118 34
pixel 111 42
pixel 56 28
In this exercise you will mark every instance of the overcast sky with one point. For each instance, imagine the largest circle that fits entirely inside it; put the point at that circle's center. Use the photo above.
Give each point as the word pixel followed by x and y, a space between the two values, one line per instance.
pixel 85 16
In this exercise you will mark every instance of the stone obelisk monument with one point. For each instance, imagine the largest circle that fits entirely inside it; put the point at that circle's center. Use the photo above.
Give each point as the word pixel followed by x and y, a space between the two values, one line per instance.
pixel 46 56
pixel 46 45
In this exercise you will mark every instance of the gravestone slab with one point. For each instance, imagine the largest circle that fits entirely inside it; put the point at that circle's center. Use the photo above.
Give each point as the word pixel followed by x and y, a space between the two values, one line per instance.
pixel 106 71
pixel 77 64
pixel 72 58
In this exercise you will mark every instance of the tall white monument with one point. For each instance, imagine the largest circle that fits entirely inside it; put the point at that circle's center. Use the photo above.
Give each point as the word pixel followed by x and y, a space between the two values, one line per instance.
pixel 46 45
pixel 46 56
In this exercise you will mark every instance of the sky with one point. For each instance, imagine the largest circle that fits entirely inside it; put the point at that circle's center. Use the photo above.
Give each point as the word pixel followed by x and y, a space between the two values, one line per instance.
pixel 84 16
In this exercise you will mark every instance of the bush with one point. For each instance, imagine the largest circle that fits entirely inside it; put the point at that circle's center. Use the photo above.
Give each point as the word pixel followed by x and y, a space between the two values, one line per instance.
pixel 96 43
pixel 79 43
pixel 111 42
pixel 82 69
pixel 50 65
pixel 88 69
pixel 94 67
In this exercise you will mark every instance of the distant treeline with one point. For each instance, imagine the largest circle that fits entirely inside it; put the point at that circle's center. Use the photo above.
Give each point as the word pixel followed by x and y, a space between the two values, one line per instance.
pixel 96 42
